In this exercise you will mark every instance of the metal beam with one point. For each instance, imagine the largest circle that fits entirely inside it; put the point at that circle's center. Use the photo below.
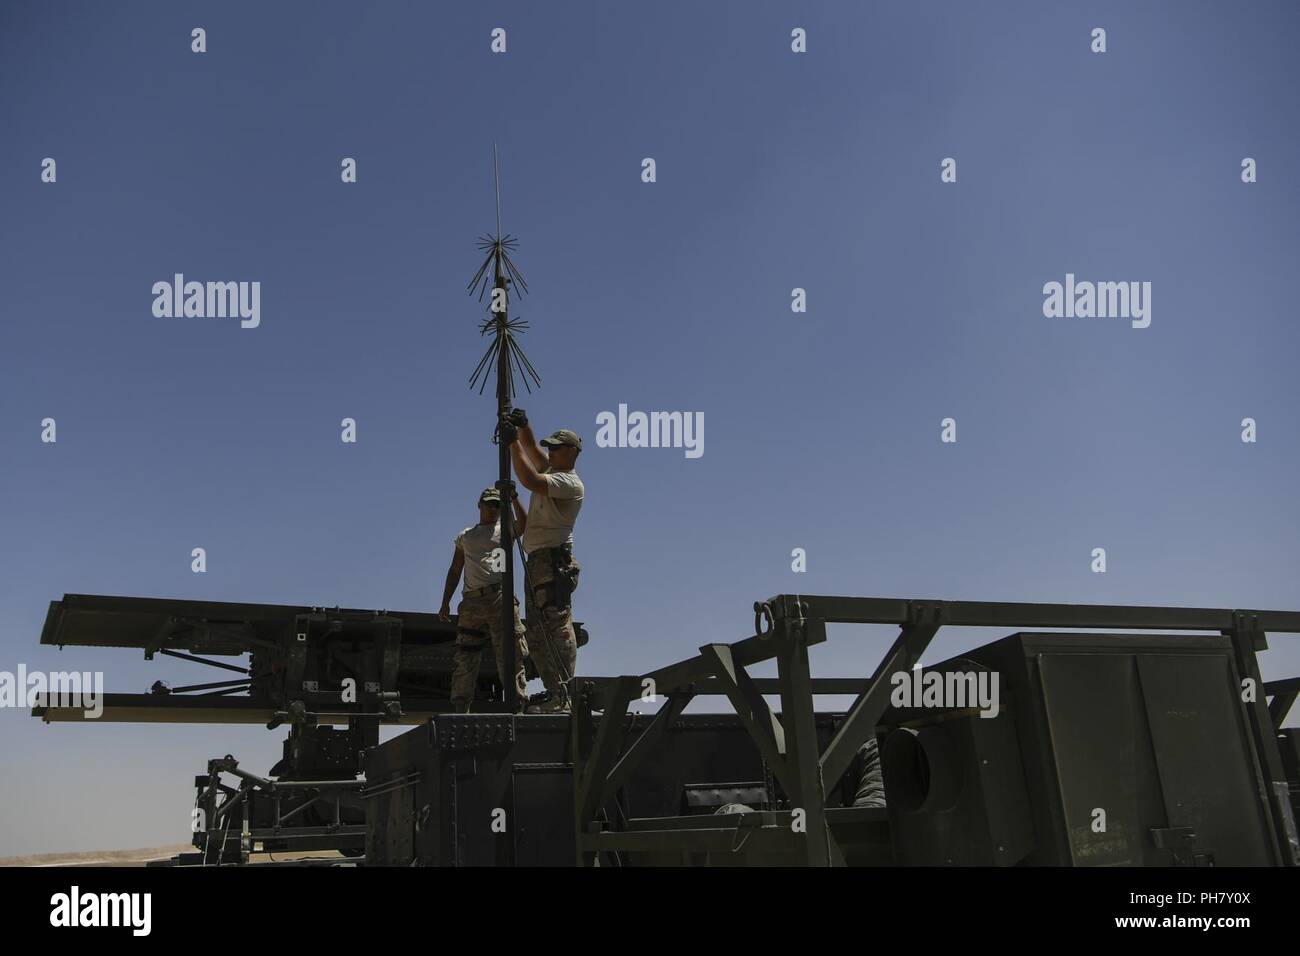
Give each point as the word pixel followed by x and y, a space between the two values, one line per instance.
pixel 1284 694
pixel 683 674
pixel 738 840
pixel 605 750
pixel 805 787
pixel 865 713
pixel 1276 804
pixel 751 708
pixel 1281 705
pixel 851 610
pixel 709 686
pixel 663 719
pixel 195 709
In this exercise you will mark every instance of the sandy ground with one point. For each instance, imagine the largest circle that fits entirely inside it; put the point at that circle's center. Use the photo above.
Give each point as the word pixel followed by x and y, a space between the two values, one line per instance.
pixel 136 857
pixel 99 857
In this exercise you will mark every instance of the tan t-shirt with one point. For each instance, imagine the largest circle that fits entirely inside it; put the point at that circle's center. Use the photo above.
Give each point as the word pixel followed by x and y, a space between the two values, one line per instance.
pixel 551 516
pixel 478 544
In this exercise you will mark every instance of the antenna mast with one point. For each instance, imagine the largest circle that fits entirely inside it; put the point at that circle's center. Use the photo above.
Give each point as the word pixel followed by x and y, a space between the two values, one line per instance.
pixel 509 360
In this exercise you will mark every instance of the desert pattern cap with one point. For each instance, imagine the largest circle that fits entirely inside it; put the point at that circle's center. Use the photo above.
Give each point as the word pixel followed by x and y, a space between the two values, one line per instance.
pixel 563 437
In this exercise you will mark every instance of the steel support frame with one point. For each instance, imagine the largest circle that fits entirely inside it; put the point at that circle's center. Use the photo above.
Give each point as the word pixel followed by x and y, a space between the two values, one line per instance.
pixel 1284 694
pixel 333 835
pixel 788 743
pixel 1248 636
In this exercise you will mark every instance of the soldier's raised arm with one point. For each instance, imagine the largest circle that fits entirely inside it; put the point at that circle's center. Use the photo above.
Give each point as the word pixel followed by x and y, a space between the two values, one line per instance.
pixel 528 473
pixel 527 441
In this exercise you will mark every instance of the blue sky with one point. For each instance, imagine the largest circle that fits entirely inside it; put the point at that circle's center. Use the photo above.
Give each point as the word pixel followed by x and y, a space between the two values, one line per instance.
pixel 775 171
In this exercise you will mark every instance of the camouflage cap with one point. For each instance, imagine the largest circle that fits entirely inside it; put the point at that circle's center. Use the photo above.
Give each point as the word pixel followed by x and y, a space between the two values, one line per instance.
pixel 563 437
pixel 490 496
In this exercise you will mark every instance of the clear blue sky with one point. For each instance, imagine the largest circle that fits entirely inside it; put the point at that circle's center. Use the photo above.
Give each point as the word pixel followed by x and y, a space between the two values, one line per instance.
pixel 775 171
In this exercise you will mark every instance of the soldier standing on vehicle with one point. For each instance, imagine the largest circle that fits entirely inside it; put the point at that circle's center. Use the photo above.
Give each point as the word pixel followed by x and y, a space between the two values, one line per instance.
pixel 551 573
pixel 478 619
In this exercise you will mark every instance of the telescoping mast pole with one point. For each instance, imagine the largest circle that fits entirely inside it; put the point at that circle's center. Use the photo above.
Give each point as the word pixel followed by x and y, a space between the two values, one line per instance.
pixel 509 359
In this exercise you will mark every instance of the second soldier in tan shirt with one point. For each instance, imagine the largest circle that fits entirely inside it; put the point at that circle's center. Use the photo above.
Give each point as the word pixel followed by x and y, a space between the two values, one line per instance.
pixel 478 619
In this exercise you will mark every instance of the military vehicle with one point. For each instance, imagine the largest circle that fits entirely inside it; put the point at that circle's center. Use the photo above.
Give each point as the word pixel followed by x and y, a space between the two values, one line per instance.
pixel 1083 735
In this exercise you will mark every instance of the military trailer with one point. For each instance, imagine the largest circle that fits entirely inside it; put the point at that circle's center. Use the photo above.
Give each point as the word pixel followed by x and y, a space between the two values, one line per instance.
pixel 1081 735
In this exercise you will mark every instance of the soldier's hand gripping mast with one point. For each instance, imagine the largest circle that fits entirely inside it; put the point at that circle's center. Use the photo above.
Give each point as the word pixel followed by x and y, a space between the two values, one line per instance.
pixel 509 359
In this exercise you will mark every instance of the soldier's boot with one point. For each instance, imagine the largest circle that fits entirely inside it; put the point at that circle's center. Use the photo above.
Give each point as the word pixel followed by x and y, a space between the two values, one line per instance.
pixel 460 706
pixel 550 704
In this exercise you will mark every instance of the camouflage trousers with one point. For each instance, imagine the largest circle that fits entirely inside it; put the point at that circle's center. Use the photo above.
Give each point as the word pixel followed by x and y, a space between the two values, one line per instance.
pixel 550 623
pixel 478 620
